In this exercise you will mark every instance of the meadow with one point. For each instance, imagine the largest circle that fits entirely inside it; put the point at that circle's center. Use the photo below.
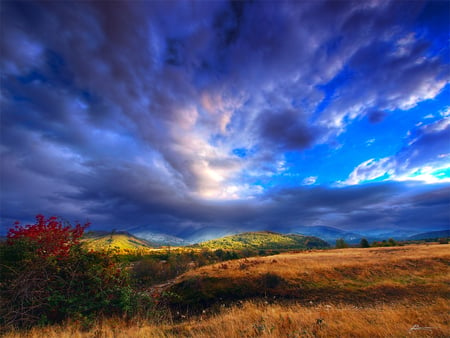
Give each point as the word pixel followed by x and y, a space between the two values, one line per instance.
pixel 374 292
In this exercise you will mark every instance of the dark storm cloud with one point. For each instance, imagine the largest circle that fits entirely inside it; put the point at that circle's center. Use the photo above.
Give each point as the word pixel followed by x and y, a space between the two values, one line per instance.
pixel 390 69
pixel 127 113
pixel 383 205
pixel 285 130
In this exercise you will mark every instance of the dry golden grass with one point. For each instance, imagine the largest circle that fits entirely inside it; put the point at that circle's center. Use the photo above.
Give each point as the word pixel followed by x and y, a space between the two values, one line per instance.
pixel 376 292
pixel 252 319
pixel 355 276
pixel 293 265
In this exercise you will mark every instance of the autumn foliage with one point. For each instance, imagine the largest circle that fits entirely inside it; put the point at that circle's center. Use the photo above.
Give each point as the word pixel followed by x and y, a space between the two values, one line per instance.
pixel 49 236
pixel 48 276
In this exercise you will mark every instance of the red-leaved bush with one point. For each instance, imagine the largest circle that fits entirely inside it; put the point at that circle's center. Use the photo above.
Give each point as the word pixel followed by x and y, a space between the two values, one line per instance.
pixel 50 236
pixel 47 275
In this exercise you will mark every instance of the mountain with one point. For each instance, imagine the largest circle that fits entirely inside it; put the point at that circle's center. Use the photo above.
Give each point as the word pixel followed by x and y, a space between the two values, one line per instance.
pixel 208 233
pixel 431 235
pixel 397 234
pixel 100 240
pixel 264 240
pixel 328 234
pixel 161 239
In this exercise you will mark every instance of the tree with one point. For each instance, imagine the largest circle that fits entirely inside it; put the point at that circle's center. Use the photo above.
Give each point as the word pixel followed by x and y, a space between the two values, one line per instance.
pixel 364 243
pixel 340 244
pixel 443 240
pixel 392 242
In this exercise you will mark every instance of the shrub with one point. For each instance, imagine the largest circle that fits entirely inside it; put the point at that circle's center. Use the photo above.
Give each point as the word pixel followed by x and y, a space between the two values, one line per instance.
pixel 47 238
pixel 47 276
pixel 270 280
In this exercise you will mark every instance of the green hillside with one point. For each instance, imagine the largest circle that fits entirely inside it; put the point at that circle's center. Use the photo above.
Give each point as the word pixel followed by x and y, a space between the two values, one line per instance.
pixel 264 240
pixel 120 240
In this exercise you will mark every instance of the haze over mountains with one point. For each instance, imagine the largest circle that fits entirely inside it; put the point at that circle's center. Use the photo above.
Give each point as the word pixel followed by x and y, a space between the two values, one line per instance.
pixel 328 234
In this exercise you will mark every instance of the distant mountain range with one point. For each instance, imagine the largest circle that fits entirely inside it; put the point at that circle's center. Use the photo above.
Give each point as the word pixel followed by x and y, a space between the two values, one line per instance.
pixel 160 239
pixel 431 235
pixel 331 234
pixel 196 236
pixel 397 234
pixel 264 240
pixel 303 237
pixel 328 234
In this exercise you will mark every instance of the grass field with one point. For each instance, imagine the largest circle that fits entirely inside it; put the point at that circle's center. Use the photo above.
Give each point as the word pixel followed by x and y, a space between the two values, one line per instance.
pixel 354 276
pixel 375 292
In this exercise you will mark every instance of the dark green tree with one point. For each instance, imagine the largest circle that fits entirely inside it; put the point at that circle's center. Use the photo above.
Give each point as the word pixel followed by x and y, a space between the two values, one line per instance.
pixel 364 243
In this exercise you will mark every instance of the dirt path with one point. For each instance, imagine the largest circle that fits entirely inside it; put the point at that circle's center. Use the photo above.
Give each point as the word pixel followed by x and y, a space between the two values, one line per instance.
pixel 158 289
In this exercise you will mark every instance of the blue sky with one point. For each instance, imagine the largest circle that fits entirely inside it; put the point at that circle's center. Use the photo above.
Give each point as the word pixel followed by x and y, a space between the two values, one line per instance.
pixel 182 117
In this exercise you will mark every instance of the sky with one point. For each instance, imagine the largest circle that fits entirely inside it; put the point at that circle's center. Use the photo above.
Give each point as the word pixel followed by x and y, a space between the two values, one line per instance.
pixel 183 117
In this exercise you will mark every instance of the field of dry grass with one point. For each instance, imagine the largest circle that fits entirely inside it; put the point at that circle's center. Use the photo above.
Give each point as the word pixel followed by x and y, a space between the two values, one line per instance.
pixel 257 319
pixel 353 276
pixel 376 292
pixel 292 265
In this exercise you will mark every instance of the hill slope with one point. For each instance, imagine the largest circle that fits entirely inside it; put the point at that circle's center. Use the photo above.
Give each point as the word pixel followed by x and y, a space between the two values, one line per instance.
pixel 160 239
pixel 264 240
pixel 430 235
pixel 328 234
pixel 353 276
pixel 119 240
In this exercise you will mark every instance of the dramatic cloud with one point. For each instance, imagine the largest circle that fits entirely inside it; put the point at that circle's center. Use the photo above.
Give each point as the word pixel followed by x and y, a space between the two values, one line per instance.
pixel 283 130
pixel 180 116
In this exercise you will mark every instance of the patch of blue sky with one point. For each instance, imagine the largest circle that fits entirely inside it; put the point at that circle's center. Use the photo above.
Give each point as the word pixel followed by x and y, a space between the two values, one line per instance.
pixel 433 23
pixel 362 141
pixel 320 162
pixel 329 89
pixel 241 152
pixel 430 110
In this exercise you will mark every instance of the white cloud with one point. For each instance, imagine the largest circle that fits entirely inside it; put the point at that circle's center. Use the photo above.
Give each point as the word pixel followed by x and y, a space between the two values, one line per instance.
pixel 445 112
pixel 310 180
pixel 370 142
pixel 427 174
pixel 385 168
pixel 370 170
pixel 422 159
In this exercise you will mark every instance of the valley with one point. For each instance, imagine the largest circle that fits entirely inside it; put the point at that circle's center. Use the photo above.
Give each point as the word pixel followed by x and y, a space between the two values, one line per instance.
pixel 372 292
